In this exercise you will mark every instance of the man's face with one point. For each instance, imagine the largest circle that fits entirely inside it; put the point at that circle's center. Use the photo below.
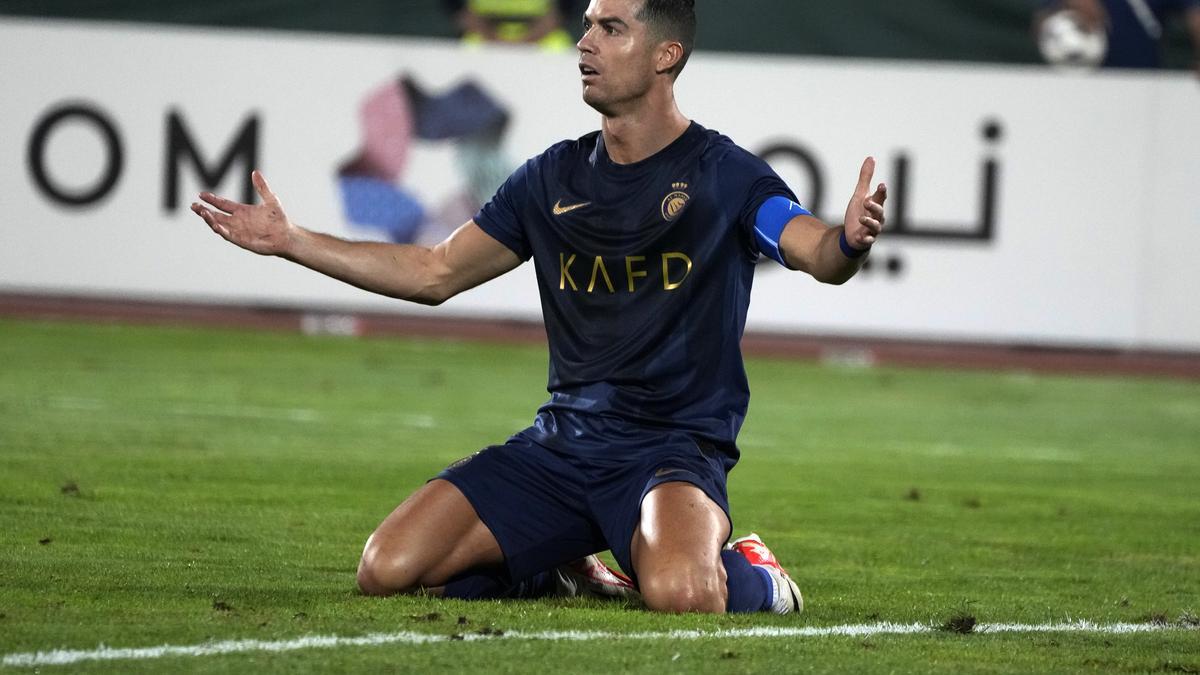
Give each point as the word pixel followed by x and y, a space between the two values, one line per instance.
pixel 616 55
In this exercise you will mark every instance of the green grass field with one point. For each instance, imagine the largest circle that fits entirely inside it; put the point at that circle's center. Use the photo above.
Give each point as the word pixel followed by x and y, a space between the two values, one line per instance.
pixel 177 486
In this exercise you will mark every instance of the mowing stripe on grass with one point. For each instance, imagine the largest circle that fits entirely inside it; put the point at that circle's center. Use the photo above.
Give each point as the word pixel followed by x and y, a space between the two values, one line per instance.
pixel 63 657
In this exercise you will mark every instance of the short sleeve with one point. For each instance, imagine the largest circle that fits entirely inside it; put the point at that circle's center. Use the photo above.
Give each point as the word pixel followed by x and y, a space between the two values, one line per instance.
pixel 752 182
pixel 501 216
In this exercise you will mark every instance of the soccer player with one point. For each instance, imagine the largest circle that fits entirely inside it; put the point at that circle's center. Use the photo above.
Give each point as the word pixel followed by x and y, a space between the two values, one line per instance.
pixel 644 237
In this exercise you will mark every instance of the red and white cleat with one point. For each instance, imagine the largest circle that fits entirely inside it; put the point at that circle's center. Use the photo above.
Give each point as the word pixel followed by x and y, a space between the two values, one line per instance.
pixel 591 576
pixel 785 594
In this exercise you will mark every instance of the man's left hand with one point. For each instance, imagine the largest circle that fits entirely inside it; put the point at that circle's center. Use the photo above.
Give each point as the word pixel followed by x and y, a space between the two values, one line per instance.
pixel 864 215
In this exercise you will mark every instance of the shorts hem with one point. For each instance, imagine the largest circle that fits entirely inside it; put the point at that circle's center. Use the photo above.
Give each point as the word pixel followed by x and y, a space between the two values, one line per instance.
pixel 474 501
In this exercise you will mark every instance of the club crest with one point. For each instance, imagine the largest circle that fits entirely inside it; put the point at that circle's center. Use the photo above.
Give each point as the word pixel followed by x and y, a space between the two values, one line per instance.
pixel 672 204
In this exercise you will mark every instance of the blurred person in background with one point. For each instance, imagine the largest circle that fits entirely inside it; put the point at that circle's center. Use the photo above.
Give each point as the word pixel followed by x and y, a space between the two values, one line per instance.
pixel 1134 28
pixel 537 22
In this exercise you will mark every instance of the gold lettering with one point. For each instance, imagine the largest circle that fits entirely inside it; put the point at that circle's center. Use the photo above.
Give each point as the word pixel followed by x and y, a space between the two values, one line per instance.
pixel 631 273
pixel 564 266
pixel 669 285
pixel 598 266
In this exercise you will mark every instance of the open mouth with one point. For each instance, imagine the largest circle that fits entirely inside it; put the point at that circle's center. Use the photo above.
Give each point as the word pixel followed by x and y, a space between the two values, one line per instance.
pixel 587 71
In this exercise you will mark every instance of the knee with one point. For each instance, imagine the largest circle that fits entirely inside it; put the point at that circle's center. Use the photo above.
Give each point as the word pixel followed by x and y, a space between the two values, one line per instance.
pixel 699 588
pixel 387 569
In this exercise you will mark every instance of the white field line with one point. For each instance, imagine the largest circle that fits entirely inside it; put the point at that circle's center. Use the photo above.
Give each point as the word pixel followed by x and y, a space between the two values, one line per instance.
pixel 245 412
pixel 64 657
pixel 413 420
pixel 212 410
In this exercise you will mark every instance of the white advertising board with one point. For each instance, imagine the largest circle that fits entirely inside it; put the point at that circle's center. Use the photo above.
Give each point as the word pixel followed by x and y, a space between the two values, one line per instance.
pixel 1026 205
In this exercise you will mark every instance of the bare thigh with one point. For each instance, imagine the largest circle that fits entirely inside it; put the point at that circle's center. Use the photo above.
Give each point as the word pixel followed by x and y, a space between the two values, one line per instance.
pixel 676 550
pixel 433 536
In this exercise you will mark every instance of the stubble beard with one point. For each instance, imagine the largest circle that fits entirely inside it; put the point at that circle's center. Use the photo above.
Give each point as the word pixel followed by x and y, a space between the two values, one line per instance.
pixel 597 103
pixel 615 104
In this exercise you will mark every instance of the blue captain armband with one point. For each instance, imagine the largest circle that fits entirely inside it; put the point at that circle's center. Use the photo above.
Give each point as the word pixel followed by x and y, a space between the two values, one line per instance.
pixel 773 216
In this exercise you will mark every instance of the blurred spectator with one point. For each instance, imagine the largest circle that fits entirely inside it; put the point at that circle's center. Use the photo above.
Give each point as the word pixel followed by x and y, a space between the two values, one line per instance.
pixel 519 21
pixel 1135 27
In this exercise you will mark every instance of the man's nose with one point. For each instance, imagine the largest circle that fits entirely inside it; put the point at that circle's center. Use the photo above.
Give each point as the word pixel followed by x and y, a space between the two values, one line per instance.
pixel 585 43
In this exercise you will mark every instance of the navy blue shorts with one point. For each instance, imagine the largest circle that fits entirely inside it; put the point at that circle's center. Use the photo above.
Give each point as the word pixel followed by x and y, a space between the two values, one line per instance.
pixel 547 508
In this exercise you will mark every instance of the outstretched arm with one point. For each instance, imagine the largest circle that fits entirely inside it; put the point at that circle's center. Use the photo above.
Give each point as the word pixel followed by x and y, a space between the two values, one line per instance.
pixel 429 276
pixel 809 245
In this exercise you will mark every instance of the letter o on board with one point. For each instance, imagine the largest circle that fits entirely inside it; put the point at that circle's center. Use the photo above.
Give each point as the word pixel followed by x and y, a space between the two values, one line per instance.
pixel 113 150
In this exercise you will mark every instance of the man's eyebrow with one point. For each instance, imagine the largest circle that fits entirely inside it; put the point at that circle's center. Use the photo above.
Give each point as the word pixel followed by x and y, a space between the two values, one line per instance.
pixel 606 21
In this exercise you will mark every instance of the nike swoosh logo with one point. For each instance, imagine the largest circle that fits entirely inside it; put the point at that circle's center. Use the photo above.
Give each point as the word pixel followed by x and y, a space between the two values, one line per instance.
pixel 559 209
pixel 666 472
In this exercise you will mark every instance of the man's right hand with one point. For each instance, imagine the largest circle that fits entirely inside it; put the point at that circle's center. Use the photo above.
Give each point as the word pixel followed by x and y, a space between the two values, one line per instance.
pixel 421 274
pixel 261 228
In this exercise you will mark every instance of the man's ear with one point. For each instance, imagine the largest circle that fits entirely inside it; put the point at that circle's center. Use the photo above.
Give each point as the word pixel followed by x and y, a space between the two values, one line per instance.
pixel 669 56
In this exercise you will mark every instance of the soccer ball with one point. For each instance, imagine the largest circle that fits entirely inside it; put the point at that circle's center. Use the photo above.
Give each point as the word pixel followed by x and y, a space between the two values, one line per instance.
pixel 1065 42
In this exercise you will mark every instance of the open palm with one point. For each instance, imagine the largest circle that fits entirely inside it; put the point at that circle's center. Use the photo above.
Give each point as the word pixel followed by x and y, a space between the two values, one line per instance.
pixel 261 228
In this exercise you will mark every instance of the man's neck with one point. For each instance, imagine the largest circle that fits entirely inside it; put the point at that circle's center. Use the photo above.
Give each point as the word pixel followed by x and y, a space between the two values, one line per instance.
pixel 633 137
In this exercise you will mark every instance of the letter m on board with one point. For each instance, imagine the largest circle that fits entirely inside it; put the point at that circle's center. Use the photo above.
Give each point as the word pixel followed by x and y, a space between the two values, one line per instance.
pixel 181 146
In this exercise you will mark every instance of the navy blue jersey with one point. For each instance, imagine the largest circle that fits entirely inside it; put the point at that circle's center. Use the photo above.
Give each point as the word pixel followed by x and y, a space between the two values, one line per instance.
pixel 644 272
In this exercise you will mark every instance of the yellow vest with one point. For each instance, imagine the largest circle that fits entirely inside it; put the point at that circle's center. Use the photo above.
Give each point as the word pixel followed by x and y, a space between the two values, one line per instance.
pixel 515 31
pixel 510 8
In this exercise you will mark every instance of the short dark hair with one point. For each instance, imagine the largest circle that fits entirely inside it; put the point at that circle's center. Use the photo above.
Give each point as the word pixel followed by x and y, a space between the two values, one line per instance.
pixel 672 20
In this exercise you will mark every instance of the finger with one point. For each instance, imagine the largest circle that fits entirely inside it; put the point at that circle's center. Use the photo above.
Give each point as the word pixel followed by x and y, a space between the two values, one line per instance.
pixel 861 240
pixel 873 208
pixel 264 190
pixel 202 211
pixel 227 205
pixel 221 218
pixel 210 220
pixel 880 195
pixel 865 175
pixel 204 214
pixel 219 222
pixel 873 226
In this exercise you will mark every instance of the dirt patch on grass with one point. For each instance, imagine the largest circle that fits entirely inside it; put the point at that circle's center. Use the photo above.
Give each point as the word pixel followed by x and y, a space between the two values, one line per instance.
pixel 962 623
